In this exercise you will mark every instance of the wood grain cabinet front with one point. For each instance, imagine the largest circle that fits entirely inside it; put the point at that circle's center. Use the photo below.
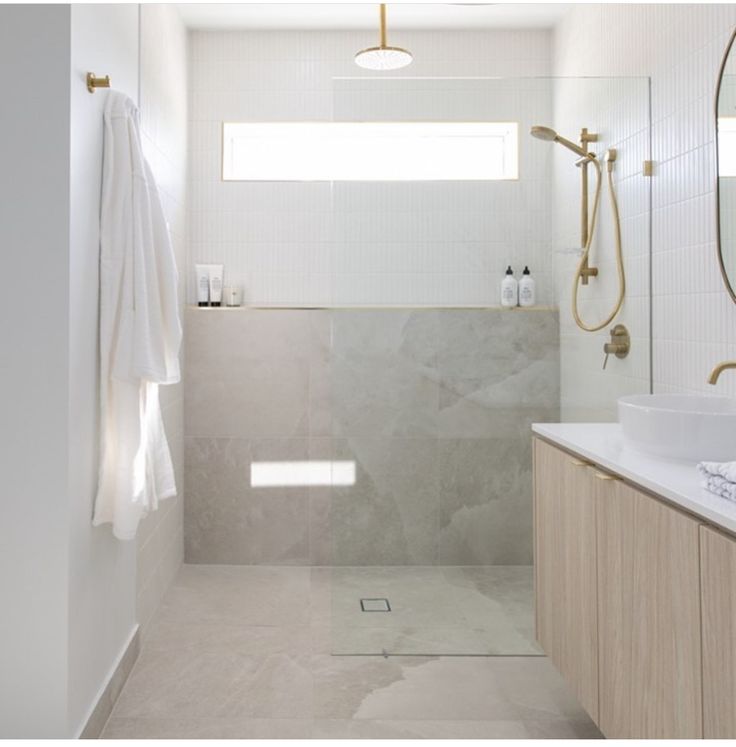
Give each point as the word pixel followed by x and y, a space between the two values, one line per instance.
pixel 618 603
pixel 565 569
pixel 718 581
pixel 648 617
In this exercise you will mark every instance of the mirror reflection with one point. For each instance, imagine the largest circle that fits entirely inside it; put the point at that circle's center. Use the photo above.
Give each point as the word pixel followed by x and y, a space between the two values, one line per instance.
pixel 726 141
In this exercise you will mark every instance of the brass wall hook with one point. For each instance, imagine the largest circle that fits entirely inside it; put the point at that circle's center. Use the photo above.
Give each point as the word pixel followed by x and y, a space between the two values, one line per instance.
pixel 94 82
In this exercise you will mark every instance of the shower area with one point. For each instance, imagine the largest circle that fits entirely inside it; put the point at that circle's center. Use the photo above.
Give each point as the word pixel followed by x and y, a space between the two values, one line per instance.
pixel 367 413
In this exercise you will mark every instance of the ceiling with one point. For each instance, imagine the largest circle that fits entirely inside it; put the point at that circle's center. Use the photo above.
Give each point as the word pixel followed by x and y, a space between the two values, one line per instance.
pixel 365 15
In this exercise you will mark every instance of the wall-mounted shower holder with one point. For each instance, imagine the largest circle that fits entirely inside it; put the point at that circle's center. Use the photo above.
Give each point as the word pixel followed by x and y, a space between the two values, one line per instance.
pixel 585 137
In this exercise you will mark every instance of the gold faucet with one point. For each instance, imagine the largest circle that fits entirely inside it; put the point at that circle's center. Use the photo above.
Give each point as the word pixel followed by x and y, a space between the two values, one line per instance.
pixel 719 369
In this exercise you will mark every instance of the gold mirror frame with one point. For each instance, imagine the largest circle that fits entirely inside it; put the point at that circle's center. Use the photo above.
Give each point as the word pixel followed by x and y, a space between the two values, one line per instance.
pixel 726 279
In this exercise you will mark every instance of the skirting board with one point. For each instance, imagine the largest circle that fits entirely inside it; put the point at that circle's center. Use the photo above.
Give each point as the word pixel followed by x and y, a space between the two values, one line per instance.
pixel 103 708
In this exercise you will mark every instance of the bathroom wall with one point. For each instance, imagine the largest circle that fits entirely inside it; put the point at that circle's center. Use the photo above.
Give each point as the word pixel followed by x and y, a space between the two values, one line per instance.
pixel 104 39
pixel 680 47
pixel 302 244
pixel 432 406
pixel 617 110
pixel 163 105
pixel 70 587
pixel 34 542
pixel 69 610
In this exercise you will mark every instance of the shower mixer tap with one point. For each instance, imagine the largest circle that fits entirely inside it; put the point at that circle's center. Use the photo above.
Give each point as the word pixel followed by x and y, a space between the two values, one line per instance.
pixel 620 344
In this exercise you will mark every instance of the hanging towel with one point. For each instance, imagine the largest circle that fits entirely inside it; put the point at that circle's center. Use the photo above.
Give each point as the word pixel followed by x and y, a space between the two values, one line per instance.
pixel 140 330
pixel 719 478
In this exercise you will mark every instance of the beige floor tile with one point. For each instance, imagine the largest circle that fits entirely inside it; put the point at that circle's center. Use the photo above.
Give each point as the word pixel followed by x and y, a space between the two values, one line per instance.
pixel 442 688
pixel 206 728
pixel 365 729
pixel 245 652
pixel 562 728
pixel 214 637
pixel 434 611
pixel 203 684
pixel 413 688
pixel 240 595
pixel 534 687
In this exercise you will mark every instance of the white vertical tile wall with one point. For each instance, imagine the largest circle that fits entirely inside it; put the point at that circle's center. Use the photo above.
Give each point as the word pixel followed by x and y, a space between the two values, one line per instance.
pixel 163 105
pixel 353 244
pixel 680 48
pixel 617 111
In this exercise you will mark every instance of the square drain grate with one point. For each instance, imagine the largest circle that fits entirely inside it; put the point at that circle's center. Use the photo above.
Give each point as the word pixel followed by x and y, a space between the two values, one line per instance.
pixel 375 605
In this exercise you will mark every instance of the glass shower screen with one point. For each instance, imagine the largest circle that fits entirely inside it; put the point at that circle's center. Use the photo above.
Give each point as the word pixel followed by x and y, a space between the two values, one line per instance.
pixel 433 387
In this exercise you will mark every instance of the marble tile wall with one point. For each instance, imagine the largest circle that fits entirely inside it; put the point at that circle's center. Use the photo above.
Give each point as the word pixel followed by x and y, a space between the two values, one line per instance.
pixel 432 406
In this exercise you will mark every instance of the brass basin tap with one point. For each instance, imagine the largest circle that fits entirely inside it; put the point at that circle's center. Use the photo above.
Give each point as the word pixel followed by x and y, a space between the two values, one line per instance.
pixel 719 369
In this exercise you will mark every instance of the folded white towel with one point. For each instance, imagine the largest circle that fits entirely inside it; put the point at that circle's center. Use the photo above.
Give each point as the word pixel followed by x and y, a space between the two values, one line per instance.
pixel 719 478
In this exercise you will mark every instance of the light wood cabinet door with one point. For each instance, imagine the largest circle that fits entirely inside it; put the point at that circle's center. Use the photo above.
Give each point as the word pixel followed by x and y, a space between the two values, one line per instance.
pixel 565 569
pixel 648 616
pixel 718 581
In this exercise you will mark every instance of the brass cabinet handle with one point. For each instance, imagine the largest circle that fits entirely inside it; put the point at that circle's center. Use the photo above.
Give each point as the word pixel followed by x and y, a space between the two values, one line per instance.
pixel 579 463
pixel 607 477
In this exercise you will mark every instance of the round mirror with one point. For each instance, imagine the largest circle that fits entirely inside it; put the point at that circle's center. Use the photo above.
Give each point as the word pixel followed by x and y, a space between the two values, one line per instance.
pixel 726 160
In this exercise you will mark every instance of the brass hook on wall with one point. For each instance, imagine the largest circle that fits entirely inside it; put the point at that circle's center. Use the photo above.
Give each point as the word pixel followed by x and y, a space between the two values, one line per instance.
pixel 94 82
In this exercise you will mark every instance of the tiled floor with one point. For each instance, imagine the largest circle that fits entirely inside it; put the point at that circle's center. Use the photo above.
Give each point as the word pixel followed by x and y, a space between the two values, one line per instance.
pixel 435 610
pixel 245 652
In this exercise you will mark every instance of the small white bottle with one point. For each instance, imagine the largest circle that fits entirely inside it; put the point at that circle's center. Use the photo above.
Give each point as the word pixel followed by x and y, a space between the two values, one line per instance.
pixel 509 290
pixel 527 291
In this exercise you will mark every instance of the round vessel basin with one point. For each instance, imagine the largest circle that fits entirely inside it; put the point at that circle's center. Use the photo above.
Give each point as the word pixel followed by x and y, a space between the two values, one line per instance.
pixel 680 426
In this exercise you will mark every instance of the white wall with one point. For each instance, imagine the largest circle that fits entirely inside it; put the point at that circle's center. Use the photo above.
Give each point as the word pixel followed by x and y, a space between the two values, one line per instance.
pixel 346 244
pixel 34 336
pixel 680 47
pixel 164 130
pixel 102 569
pixel 617 110
pixel 69 589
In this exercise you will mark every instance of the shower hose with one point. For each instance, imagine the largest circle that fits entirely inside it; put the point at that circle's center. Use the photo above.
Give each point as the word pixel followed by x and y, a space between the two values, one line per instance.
pixel 586 251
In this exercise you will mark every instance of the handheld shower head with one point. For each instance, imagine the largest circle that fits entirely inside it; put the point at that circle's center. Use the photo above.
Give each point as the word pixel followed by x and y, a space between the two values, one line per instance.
pixel 543 133
pixel 548 134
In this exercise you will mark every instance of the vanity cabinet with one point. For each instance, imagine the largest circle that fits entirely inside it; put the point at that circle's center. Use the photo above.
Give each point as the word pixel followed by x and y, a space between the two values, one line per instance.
pixel 648 616
pixel 565 572
pixel 618 596
pixel 718 580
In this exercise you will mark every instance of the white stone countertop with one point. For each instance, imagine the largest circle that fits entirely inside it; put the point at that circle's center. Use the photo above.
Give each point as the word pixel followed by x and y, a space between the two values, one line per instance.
pixel 674 480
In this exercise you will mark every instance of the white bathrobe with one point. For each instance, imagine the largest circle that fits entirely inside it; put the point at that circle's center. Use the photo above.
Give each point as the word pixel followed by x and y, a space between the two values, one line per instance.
pixel 140 330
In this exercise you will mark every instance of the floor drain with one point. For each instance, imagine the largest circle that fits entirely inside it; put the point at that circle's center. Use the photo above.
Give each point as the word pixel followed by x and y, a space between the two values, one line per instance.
pixel 375 605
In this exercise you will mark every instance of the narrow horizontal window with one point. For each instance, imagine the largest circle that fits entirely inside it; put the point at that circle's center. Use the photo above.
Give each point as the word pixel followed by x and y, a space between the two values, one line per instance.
pixel 301 474
pixel 370 151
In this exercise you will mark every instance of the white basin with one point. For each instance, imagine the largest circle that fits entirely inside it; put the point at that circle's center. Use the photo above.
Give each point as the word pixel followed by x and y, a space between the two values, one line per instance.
pixel 680 426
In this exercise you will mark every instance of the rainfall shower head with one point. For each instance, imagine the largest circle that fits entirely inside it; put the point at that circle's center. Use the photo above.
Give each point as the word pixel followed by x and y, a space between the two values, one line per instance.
pixel 548 134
